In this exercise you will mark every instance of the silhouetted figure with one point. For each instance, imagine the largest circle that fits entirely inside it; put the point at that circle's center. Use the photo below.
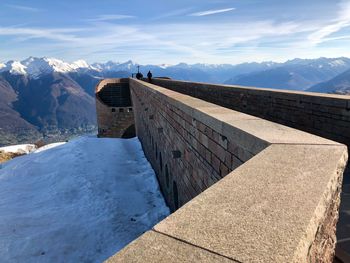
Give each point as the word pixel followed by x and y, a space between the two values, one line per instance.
pixel 139 74
pixel 149 76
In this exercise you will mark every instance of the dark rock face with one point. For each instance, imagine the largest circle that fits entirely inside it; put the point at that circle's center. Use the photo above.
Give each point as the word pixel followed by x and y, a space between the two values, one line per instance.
pixel 53 103
pixel 55 100
pixel 13 127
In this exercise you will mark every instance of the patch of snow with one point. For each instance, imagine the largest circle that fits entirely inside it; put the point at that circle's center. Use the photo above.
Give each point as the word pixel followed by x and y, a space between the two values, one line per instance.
pixel 128 65
pixel 80 202
pixel 108 66
pixel 38 66
pixel 58 65
pixel 337 63
pixel 20 148
pixel 115 66
pixel 2 65
pixel 82 64
pixel 164 66
pixel 49 146
pixel 14 67
pixel 17 68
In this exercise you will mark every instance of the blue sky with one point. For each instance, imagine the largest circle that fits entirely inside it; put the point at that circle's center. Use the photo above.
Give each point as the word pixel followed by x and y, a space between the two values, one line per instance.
pixel 159 31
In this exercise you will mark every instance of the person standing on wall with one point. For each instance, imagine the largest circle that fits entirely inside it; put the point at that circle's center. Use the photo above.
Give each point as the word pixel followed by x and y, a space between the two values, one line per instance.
pixel 149 76
pixel 139 74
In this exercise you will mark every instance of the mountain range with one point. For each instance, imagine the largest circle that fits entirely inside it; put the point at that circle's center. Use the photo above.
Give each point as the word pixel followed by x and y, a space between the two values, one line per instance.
pixel 339 84
pixel 47 98
pixel 297 74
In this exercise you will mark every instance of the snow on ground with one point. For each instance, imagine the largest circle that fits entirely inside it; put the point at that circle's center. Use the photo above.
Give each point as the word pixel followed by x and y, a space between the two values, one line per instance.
pixel 49 146
pixel 20 148
pixel 77 202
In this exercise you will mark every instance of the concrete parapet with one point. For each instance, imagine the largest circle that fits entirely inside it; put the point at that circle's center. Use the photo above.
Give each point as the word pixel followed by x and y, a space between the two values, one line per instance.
pixel 326 115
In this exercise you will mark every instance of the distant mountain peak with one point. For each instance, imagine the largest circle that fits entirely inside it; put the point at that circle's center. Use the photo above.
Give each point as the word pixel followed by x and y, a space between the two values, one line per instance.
pixel 115 66
pixel 35 67
pixel 80 63
pixel 337 62
pixel 340 84
pixel 14 67
pixel 164 66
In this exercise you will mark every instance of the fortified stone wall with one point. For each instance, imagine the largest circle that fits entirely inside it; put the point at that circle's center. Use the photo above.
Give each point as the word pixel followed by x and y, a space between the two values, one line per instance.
pixel 115 116
pixel 321 114
pixel 279 204
pixel 188 149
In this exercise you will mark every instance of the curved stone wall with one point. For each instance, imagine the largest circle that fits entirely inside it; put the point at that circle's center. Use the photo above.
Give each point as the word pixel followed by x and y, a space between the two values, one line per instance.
pixel 249 190
pixel 115 116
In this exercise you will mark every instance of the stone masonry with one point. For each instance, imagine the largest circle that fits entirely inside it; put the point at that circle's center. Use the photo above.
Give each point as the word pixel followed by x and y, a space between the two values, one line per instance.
pixel 113 120
pixel 243 189
pixel 326 115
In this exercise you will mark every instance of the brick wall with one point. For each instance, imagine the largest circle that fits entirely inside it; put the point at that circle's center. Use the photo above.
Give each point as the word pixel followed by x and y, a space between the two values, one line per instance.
pixel 278 200
pixel 321 114
pixel 184 147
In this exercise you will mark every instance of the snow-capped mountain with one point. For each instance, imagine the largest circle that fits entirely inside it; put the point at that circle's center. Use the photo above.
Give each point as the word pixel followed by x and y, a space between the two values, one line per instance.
pixel 44 96
pixel 313 70
pixel 296 74
pixel 116 66
pixel 35 67
pixel 14 67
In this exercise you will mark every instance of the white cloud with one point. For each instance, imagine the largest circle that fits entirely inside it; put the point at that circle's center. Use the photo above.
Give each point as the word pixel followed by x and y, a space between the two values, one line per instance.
pixel 110 18
pixel 212 12
pixel 23 34
pixel 342 21
pixel 173 13
pixel 210 42
pixel 25 8
pixel 155 43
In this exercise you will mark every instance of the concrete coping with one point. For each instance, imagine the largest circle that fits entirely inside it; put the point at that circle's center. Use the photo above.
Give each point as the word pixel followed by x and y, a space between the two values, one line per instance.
pixel 337 100
pixel 270 209
pixel 225 120
pixel 284 91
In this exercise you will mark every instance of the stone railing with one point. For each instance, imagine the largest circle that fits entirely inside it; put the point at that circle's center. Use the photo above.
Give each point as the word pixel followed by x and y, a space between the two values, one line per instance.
pixel 326 115
pixel 249 190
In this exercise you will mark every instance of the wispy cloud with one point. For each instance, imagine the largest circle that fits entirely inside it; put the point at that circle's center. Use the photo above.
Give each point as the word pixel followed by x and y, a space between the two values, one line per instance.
pixel 181 38
pixel 173 13
pixel 23 34
pixel 102 18
pixel 212 12
pixel 156 41
pixel 342 21
pixel 24 8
